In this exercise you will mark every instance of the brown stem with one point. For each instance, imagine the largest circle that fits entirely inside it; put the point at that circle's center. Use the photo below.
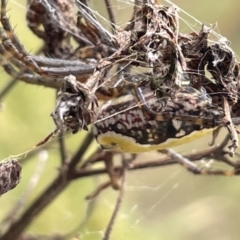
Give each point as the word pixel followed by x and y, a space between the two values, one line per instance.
pixel 215 152
pixel 111 15
pixel 56 187
pixel 117 206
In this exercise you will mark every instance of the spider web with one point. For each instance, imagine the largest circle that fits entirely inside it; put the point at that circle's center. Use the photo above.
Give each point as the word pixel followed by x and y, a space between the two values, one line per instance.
pixel 164 203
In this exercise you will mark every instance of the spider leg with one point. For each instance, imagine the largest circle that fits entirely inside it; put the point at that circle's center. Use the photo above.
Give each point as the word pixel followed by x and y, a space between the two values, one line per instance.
pixel 43 66
pixel 10 65
pixel 12 44
pixel 8 58
pixel 14 47
pixel 60 63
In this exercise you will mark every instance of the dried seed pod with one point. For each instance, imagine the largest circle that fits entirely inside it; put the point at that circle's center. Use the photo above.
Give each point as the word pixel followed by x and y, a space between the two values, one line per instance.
pixel 10 172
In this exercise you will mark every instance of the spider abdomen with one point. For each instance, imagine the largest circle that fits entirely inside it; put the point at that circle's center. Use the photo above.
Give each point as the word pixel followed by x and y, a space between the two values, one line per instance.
pixel 122 125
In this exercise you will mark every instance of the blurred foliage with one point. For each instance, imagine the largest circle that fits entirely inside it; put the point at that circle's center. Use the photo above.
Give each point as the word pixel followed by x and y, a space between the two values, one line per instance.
pixel 164 203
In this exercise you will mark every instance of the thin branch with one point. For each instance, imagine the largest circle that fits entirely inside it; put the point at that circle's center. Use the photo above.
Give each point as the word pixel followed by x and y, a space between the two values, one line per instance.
pixel 8 87
pixel 111 15
pixel 97 156
pixel 214 152
pixel 117 206
pixel 99 189
pixel 51 192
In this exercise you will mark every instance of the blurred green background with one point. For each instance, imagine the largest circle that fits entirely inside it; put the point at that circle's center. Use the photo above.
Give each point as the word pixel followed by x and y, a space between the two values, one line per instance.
pixel 165 203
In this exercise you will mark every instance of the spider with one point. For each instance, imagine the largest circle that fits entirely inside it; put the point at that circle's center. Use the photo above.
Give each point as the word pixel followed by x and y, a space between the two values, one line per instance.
pixel 166 61
pixel 48 71
pixel 121 126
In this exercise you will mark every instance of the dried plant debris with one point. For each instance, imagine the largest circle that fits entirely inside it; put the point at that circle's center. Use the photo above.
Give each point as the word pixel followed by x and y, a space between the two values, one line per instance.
pixel 88 61
pixel 171 61
pixel 71 111
pixel 10 173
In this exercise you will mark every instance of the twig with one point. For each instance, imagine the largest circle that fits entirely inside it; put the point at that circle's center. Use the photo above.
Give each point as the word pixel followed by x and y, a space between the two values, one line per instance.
pixel 117 206
pixel 8 87
pixel 56 187
pixel 111 15
pixel 99 189
pixel 215 152
pixel 62 148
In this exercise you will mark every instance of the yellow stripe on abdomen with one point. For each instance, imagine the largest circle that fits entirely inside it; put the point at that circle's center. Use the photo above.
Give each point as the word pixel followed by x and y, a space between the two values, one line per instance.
pixel 120 143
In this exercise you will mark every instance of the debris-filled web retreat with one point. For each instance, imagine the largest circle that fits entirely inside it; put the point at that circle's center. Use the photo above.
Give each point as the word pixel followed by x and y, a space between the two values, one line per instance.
pixel 171 101
pixel 171 60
